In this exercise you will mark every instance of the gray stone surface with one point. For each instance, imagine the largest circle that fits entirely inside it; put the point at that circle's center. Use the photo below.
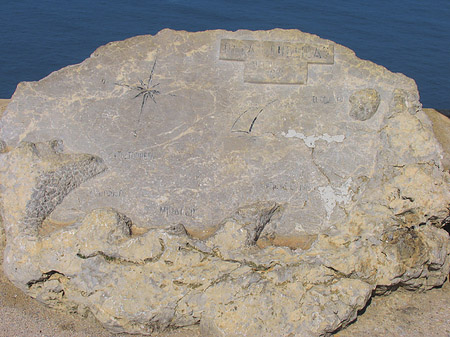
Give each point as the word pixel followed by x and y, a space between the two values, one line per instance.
pixel 183 122
pixel 263 183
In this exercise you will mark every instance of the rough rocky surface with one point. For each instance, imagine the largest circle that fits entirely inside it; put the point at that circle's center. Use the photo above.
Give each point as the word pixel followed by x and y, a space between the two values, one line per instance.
pixel 441 125
pixel 283 223
pixel 3 104
pixel 401 314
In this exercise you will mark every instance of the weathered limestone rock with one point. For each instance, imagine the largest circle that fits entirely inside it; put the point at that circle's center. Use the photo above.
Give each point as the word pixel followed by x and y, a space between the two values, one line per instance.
pixel 254 183
pixel 364 104
pixel 441 125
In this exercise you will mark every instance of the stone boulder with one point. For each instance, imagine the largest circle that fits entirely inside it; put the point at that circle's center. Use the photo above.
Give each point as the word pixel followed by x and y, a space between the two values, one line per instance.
pixel 253 183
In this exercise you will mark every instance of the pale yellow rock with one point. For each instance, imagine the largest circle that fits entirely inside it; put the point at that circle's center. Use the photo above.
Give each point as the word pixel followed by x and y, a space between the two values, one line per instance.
pixel 222 282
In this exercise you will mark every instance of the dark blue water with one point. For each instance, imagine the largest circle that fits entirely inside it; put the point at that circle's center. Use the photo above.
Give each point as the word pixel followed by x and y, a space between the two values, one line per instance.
pixel 408 36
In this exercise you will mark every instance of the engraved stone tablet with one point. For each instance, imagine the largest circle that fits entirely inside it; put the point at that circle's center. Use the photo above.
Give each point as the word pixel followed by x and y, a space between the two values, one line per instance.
pixel 192 132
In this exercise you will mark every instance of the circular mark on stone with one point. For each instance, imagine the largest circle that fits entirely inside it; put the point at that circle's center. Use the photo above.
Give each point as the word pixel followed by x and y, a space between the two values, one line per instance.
pixel 364 104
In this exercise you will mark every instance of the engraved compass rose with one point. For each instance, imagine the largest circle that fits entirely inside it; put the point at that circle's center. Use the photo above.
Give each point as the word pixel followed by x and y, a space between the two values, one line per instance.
pixel 145 90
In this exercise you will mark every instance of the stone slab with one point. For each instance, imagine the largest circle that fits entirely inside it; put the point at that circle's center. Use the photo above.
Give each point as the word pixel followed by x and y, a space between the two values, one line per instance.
pixel 180 127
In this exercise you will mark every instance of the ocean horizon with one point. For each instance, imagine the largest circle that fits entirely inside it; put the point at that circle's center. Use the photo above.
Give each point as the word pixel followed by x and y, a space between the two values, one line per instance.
pixel 411 37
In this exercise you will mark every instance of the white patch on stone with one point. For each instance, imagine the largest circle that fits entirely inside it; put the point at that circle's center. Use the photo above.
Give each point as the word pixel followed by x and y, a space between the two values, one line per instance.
pixel 310 141
pixel 331 196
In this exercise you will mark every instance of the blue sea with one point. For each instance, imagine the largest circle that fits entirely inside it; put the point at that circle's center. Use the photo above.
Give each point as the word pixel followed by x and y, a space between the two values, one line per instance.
pixel 408 36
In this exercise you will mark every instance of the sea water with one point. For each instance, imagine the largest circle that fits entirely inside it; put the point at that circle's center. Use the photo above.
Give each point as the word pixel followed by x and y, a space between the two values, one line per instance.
pixel 408 36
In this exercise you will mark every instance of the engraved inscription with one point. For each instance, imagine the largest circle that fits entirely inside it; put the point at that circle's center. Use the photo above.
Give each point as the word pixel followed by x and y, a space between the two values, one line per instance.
pixel 304 52
pixel 275 62
pixel 242 50
pixel 132 155
pixel 289 186
pixel 108 193
pixel 236 50
pixel 176 210
pixel 318 54
pixel 275 71
pixel 327 99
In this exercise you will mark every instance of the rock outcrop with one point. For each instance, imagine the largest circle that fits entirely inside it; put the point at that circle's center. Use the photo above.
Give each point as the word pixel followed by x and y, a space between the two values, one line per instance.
pixel 254 183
